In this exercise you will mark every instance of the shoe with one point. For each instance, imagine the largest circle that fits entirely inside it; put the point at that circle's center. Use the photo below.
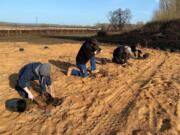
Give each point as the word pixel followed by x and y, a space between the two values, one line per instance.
pixel 94 71
pixel 69 71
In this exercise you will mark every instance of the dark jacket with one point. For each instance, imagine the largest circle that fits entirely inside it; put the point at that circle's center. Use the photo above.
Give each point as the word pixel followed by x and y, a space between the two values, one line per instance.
pixel 134 50
pixel 120 56
pixel 29 73
pixel 86 52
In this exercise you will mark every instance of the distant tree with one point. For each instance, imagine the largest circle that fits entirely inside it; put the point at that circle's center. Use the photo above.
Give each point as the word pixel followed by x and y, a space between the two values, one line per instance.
pixel 119 18
pixel 140 23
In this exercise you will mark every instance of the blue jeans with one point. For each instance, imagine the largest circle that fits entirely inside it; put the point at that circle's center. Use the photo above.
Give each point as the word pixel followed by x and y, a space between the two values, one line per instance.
pixel 83 69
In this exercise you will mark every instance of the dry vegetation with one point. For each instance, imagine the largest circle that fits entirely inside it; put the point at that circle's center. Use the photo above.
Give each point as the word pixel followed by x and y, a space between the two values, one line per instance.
pixel 168 10
pixel 162 35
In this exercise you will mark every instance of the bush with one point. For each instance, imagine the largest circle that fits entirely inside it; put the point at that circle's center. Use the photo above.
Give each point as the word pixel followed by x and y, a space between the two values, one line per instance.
pixel 102 33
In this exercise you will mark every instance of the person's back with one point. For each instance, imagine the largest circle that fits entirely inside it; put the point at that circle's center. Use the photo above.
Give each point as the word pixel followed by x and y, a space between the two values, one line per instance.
pixel 85 53
pixel 118 51
pixel 30 72
pixel 121 54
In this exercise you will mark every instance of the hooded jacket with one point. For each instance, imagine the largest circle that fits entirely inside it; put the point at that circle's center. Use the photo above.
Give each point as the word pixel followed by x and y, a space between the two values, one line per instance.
pixel 29 73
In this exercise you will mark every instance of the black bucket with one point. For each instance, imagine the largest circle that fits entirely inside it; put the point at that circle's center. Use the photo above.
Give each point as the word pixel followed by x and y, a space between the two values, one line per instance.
pixel 146 55
pixel 16 105
pixel 103 61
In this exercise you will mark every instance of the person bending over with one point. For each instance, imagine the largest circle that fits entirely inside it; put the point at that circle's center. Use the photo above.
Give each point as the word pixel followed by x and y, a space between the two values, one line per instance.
pixel 34 71
pixel 87 52
pixel 121 55
pixel 136 51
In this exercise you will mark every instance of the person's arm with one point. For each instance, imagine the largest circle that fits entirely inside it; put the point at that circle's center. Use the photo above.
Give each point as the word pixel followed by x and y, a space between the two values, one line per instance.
pixel 134 54
pixel 30 95
pixel 139 53
pixel 97 50
pixel 25 77
pixel 48 83
pixel 125 58
pixel 51 91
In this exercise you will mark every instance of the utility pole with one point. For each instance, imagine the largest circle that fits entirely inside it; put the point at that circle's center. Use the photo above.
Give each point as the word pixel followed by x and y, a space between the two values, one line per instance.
pixel 36 20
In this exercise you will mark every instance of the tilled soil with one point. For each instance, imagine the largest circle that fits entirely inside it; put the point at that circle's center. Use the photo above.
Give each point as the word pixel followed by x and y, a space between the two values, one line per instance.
pixel 141 99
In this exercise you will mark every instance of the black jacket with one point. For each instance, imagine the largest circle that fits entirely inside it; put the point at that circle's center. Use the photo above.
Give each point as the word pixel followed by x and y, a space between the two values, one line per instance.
pixel 134 50
pixel 86 52
pixel 120 56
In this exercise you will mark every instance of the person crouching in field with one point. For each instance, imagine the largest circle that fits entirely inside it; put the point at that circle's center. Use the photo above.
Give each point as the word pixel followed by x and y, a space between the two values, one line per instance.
pixel 87 52
pixel 136 51
pixel 30 72
pixel 121 54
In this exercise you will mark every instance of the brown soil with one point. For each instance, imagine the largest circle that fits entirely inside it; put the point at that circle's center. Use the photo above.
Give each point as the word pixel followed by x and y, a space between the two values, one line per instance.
pixel 142 99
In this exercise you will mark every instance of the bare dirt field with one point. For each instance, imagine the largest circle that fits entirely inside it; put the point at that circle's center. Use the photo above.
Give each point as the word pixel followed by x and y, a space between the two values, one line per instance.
pixel 142 99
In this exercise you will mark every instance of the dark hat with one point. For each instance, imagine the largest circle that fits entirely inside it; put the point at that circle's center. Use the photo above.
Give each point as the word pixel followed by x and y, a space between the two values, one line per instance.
pixel 45 69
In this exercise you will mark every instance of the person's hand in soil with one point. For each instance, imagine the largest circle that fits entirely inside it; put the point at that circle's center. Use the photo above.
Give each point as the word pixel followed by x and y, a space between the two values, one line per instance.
pixel 53 95
pixel 129 64
pixel 30 96
pixel 51 91
pixel 124 65
pixel 43 96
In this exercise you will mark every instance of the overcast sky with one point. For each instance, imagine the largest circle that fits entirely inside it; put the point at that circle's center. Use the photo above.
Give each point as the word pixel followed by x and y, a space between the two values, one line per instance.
pixel 72 12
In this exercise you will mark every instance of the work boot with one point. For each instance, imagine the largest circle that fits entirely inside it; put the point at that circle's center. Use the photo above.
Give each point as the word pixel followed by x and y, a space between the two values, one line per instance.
pixel 94 71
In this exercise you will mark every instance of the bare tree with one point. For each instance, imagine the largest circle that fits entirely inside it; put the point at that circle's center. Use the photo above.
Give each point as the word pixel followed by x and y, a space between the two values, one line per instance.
pixel 119 18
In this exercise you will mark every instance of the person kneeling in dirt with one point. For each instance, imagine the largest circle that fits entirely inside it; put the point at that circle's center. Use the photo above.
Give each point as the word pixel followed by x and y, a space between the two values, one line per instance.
pixel 121 54
pixel 138 54
pixel 136 51
pixel 87 52
pixel 34 71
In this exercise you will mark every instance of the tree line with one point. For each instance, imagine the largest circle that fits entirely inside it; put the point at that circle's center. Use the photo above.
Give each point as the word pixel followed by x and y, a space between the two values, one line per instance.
pixel 168 9
pixel 120 19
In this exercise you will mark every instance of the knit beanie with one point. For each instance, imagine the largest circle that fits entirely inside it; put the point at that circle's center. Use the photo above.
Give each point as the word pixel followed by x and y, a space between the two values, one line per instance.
pixel 45 69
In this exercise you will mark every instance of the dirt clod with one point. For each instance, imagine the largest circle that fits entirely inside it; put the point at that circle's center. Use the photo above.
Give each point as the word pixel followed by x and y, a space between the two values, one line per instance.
pixel 166 125
pixel 21 49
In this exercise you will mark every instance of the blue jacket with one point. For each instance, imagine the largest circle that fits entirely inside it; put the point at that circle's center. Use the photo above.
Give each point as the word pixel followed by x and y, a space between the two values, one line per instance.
pixel 29 73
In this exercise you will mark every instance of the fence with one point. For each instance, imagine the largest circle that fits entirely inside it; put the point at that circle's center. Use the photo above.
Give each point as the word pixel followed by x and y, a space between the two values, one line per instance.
pixel 44 32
